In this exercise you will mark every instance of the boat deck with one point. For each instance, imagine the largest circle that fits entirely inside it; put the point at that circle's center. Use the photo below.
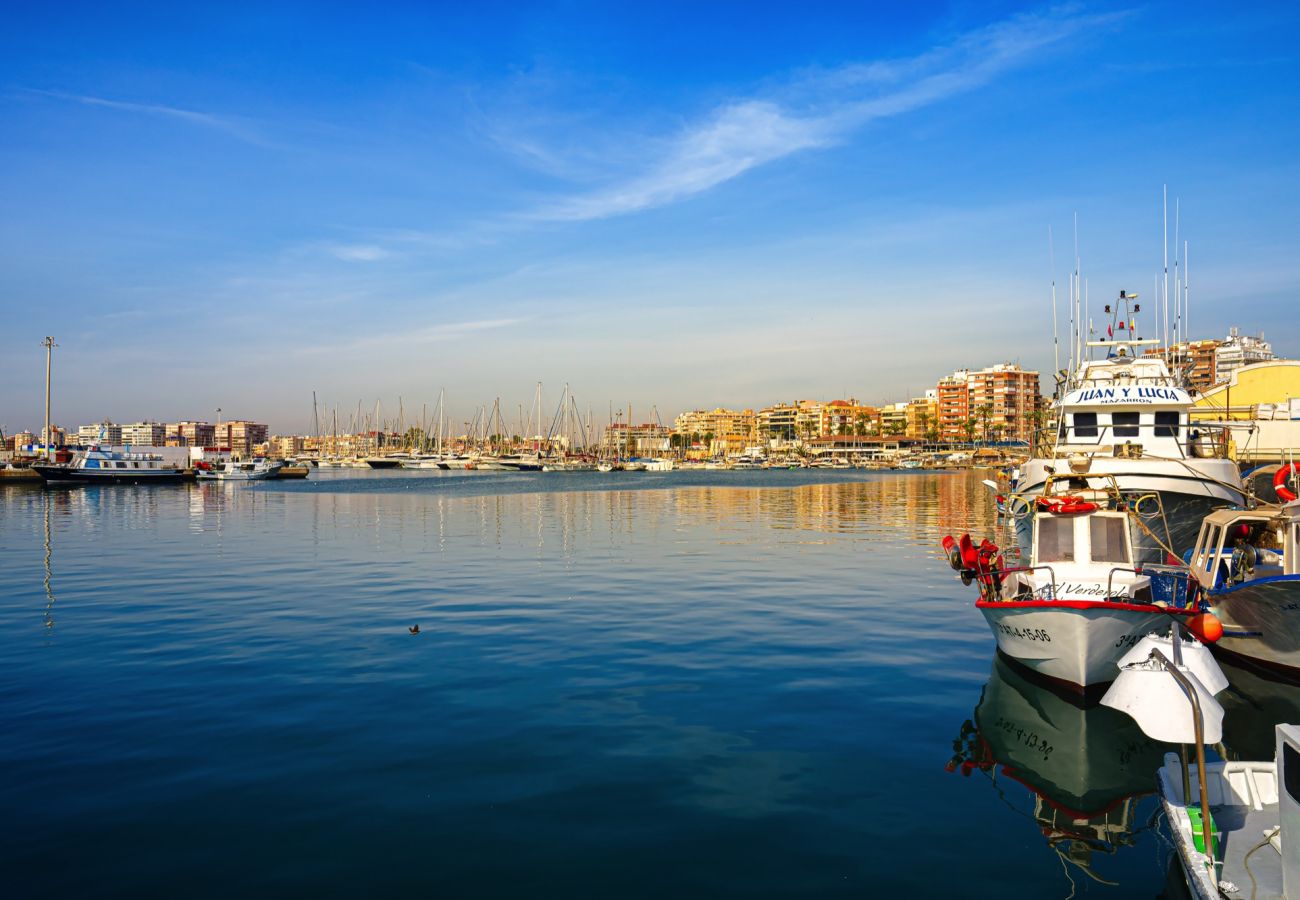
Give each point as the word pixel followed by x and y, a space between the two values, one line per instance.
pixel 1241 834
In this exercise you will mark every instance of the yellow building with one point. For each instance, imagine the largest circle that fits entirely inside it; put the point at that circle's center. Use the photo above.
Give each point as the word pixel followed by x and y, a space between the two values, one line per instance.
pixel 922 415
pixel 1267 396
pixel 1251 390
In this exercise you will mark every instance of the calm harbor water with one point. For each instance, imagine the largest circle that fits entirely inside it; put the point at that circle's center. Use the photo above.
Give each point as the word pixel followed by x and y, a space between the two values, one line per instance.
pixel 752 684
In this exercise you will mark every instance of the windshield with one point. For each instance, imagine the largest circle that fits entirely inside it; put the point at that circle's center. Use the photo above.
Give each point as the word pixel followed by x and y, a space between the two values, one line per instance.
pixel 1107 536
pixel 1055 539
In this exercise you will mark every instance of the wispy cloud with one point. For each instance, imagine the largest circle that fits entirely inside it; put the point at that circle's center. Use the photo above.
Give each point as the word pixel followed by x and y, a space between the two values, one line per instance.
pixel 433 334
pixel 814 110
pixel 359 252
pixel 232 125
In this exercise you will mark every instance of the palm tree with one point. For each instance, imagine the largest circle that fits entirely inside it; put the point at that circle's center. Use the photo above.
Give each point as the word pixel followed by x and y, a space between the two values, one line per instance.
pixel 984 412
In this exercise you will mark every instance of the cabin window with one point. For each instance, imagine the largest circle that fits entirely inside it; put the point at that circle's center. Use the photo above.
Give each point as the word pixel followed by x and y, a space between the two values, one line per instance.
pixel 1107 536
pixel 1124 424
pixel 1085 424
pixel 121 465
pixel 1167 424
pixel 1055 539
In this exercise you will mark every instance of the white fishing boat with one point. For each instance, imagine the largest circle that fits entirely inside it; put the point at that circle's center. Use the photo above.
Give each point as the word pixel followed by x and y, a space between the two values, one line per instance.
pixel 1082 600
pixel 1127 417
pixel 258 469
pixel 1247 563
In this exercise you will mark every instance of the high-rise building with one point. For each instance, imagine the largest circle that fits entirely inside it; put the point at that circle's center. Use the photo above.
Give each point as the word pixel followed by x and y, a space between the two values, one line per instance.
pixel 105 433
pixel 996 403
pixel 240 436
pixel 1239 350
pixel 192 434
pixel 144 434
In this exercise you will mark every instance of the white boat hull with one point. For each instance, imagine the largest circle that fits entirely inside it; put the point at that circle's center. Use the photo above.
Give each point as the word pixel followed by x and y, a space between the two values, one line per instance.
pixel 1074 642
pixel 1189 489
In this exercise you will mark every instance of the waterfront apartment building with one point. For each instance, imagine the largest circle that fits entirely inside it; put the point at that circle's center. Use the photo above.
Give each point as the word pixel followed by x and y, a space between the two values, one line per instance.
pixel 648 439
pixel 90 434
pixel 1239 350
pixel 240 436
pixel 996 403
pixel 843 417
pixel 1210 362
pixel 718 422
pixel 284 446
pixel 778 422
pixel 922 416
pixel 192 434
pixel 144 434
pixel 893 418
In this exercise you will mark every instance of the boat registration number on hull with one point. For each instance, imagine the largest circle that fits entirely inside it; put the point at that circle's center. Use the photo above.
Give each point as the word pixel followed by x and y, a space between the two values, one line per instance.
pixel 1025 634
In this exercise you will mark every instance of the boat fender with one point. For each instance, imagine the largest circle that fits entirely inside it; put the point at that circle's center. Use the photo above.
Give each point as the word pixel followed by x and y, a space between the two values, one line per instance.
pixel 951 550
pixel 1206 626
pixel 1280 479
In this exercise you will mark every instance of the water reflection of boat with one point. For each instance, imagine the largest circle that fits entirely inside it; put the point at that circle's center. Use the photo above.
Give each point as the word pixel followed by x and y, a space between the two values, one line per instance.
pixel 1086 767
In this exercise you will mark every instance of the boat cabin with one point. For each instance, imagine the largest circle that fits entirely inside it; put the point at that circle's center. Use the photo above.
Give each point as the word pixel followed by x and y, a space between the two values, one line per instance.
pixel 1239 545
pixel 1080 540
pixel 1128 406
pixel 1079 556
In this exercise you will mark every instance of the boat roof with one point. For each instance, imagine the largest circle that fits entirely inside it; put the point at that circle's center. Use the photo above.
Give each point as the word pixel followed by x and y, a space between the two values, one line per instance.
pixel 1262 513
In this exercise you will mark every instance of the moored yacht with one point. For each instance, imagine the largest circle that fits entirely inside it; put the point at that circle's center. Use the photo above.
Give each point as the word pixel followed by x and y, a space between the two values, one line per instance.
pixel 96 465
pixel 258 469
pixel 1128 418
pixel 1083 600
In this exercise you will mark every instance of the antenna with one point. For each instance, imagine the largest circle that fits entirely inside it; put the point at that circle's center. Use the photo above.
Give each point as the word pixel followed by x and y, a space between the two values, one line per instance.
pixel 1181 330
pixel 1187 303
pixel 1164 241
pixel 1056 341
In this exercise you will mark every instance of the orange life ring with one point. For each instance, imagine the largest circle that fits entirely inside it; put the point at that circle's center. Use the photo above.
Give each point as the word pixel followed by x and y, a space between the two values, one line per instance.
pixel 1284 493
pixel 1066 506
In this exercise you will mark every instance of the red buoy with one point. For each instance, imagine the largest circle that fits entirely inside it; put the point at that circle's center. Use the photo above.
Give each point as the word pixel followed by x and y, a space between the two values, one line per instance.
pixel 1206 627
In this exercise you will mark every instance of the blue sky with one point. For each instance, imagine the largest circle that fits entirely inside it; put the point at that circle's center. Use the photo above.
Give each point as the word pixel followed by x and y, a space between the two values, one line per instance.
pixel 657 203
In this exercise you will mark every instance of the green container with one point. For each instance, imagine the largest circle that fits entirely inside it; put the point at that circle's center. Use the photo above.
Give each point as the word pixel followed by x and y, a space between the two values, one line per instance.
pixel 1198 834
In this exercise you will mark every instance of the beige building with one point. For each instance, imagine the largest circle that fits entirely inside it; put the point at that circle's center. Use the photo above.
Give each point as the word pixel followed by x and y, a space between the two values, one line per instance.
pixel 90 434
pixel 144 434
pixel 240 436
pixel 192 434
pixel 286 445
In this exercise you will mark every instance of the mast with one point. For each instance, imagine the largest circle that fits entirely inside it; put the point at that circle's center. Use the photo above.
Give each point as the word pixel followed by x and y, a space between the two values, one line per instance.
pixel 49 346
pixel 441 395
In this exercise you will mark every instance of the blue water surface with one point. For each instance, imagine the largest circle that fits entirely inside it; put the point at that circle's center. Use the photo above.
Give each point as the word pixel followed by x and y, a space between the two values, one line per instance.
pixel 742 684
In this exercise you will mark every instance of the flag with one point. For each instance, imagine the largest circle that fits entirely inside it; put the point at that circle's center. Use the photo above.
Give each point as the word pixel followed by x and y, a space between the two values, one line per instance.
pixel 1110 332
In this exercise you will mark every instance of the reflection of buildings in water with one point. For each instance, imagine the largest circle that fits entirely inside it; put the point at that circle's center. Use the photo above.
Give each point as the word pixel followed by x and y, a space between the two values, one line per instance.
pixel 1086 768
pixel 1256 701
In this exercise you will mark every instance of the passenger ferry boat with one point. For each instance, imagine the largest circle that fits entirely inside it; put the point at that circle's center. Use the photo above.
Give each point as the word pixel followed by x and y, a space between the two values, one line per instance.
pixel 1127 417
pixel 96 465
pixel 1247 562
pixel 1083 600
